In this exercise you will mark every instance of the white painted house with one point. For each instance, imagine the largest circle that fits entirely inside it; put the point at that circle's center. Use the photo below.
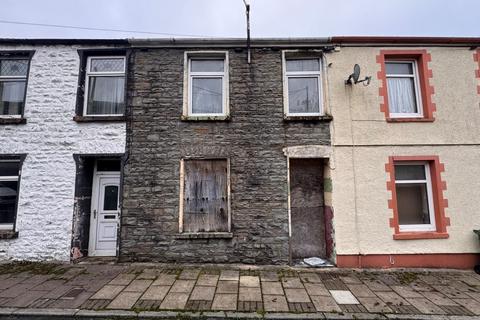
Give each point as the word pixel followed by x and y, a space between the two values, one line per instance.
pixel 50 133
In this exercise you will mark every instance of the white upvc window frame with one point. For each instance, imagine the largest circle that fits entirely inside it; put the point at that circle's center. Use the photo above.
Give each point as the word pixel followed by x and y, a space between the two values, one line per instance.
pixel 188 81
pixel 302 74
pixel 416 85
pixel 89 73
pixel 10 226
pixel 16 78
pixel 431 208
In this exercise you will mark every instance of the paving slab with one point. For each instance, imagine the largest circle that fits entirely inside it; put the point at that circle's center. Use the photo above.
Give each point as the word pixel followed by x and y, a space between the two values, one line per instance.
pixel 310 277
pixel 138 285
pixel 249 294
pixel 249 281
pixel 344 297
pixel 25 299
pixel 189 274
pixel 124 300
pixel 439 299
pixel 292 283
pixel 229 275
pixel 108 292
pixel 202 293
pixel 227 286
pixel 297 295
pixel 406 292
pixel 376 285
pixel 274 288
pixel 174 300
pixel 325 304
pixel 451 292
pixel 207 280
pixel 470 305
pixel 316 289
pixel 155 293
pixel 123 279
pixel 275 303
pixel 183 286
pixel 426 306
pixel 164 280
pixel 351 279
pixel 224 301
pixel 375 305
pixel 361 290
pixel 392 298
pixel 268 276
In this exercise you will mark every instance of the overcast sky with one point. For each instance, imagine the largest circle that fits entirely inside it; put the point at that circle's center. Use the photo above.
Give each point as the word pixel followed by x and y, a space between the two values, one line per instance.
pixel 226 18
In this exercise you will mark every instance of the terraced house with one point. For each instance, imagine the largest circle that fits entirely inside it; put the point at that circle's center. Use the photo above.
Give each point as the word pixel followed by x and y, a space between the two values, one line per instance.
pixel 185 151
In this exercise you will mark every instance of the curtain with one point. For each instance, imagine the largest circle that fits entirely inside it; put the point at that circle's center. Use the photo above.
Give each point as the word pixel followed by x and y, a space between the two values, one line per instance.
pixel 106 95
pixel 12 94
pixel 401 95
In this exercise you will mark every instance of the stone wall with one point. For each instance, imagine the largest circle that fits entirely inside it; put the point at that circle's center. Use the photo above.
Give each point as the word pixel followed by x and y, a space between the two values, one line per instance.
pixel 50 138
pixel 253 140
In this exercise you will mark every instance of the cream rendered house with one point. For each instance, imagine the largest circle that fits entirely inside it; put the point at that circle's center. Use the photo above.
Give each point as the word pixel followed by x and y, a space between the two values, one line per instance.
pixel 406 172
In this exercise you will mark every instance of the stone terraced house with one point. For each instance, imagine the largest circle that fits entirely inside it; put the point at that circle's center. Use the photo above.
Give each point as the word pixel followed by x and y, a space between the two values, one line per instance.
pixel 184 151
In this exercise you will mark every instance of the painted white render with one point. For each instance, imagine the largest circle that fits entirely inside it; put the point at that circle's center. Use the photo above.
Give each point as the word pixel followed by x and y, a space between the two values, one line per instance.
pixel 50 138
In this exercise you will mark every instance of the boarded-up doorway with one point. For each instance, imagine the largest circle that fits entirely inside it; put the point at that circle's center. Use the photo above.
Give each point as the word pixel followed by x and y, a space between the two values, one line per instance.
pixel 306 208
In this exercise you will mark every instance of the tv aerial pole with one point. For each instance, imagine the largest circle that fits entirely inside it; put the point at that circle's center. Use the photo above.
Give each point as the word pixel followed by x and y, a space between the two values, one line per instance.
pixel 247 8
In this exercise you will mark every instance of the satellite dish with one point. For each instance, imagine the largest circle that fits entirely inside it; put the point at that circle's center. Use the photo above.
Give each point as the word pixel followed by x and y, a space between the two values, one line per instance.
pixel 353 78
pixel 356 73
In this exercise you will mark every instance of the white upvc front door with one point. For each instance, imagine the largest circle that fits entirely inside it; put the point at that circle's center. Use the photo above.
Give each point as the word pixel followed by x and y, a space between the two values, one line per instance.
pixel 104 216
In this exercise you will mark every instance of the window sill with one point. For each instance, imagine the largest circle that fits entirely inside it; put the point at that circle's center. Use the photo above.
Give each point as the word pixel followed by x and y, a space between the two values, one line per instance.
pixel 99 118
pixel 410 119
pixel 205 118
pixel 205 235
pixel 12 120
pixel 420 235
pixel 8 234
pixel 324 118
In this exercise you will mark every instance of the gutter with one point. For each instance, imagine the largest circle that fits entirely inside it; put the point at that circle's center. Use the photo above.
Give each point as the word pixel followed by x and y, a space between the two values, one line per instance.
pixel 375 41
pixel 231 43
pixel 44 41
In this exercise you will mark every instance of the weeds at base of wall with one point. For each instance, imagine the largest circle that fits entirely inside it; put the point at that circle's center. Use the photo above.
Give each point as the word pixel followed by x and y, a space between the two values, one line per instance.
pixel 32 267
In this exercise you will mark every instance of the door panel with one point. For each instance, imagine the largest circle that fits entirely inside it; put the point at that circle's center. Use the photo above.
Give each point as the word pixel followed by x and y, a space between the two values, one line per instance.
pixel 306 208
pixel 104 222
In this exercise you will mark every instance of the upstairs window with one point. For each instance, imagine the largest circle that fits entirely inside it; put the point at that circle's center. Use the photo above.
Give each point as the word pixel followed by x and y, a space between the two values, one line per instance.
pixel 104 86
pixel 302 81
pixel 404 98
pixel 207 85
pixel 413 186
pixel 405 89
pixel 13 84
pixel 9 183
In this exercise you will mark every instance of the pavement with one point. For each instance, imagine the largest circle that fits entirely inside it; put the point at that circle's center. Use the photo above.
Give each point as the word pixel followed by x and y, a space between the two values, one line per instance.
pixel 163 291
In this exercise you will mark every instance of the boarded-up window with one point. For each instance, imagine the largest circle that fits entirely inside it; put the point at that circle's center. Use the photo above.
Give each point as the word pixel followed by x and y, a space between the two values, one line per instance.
pixel 205 197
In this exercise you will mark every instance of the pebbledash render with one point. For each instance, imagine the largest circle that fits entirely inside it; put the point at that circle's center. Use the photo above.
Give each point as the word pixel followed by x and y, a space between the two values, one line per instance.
pixel 184 151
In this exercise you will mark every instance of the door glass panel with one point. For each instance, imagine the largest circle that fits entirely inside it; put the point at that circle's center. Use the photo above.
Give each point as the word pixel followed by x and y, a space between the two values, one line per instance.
pixel 111 198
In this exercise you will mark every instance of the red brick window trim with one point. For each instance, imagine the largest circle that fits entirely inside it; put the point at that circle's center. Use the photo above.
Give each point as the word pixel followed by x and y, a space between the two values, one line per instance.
pixel 421 57
pixel 439 203
pixel 476 57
